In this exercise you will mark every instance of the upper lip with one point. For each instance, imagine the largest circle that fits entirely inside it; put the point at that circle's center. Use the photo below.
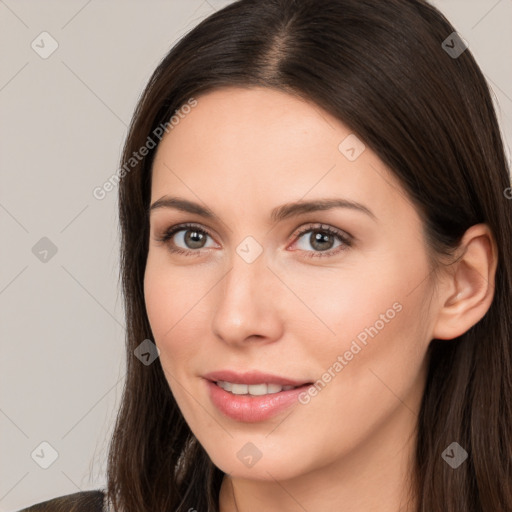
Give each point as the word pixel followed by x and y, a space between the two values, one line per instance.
pixel 252 377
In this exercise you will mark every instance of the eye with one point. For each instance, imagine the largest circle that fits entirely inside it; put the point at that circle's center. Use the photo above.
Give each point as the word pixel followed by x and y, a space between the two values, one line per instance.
pixel 188 239
pixel 322 238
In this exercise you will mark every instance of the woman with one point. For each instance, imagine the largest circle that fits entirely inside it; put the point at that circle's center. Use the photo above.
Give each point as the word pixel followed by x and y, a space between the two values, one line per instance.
pixel 316 261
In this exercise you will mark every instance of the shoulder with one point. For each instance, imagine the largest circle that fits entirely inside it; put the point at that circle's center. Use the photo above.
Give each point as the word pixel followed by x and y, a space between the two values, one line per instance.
pixel 85 501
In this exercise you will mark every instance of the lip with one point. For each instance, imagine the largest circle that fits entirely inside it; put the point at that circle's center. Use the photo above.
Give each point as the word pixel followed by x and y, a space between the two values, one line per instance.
pixel 252 409
pixel 252 377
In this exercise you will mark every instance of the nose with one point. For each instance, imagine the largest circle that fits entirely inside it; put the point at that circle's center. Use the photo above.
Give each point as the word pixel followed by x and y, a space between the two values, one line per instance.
pixel 249 304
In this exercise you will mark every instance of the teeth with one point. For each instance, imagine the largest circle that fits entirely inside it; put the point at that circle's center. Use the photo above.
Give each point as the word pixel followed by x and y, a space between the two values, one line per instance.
pixel 252 389
pixel 239 389
pixel 274 388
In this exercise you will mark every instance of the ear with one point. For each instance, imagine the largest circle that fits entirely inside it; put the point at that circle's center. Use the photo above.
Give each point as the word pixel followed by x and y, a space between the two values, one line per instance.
pixel 468 292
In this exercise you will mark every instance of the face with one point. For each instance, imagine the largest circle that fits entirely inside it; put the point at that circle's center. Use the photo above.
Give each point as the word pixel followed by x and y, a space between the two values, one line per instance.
pixel 333 300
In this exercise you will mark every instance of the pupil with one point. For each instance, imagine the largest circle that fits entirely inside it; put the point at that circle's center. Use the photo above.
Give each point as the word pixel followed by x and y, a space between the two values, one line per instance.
pixel 194 239
pixel 321 238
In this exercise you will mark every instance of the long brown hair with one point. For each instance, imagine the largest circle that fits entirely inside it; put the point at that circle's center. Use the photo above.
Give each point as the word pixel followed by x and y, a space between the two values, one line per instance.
pixel 382 69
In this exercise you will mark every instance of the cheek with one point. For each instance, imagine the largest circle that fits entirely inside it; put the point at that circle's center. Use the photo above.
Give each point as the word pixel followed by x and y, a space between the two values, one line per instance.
pixel 176 301
pixel 157 297
pixel 381 325
pixel 168 301
pixel 346 302
pixel 164 298
pixel 369 318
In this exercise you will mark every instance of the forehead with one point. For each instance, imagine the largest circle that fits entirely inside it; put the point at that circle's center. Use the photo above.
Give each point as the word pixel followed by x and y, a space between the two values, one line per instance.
pixel 258 122
pixel 258 147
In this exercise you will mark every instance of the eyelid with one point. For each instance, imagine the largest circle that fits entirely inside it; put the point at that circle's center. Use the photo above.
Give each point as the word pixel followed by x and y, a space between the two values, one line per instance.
pixel 319 226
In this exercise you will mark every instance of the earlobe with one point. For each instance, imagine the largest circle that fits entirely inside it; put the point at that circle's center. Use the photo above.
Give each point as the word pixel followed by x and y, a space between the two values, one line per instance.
pixel 470 288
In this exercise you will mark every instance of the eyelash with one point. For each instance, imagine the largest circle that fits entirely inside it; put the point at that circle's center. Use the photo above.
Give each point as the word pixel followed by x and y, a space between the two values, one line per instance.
pixel 345 240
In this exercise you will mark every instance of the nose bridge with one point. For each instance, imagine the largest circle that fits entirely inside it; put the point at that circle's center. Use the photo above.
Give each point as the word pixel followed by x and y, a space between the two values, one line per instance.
pixel 244 285
pixel 245 306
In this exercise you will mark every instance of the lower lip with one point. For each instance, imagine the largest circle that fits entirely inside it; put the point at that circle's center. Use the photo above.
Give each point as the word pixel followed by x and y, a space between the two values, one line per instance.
pixel 251 409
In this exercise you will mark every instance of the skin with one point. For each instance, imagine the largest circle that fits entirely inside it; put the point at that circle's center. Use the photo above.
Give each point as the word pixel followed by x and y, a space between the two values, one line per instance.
pixel 241 153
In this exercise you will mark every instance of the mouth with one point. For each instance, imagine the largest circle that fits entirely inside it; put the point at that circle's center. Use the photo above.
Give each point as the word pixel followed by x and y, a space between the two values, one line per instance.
pixel 255 402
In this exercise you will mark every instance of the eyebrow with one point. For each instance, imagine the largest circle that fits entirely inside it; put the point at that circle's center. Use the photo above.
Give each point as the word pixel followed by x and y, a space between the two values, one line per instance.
pixel 278 214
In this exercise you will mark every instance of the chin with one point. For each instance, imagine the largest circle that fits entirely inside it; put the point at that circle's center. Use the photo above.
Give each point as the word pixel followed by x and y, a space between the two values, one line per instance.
pixel 247 461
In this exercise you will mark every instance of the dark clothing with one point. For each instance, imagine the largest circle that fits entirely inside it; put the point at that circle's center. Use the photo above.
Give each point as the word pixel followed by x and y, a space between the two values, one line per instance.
pixel 85 501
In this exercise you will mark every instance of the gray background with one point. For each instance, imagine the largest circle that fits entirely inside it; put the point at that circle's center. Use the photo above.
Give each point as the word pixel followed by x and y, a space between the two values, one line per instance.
pixel 63 121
